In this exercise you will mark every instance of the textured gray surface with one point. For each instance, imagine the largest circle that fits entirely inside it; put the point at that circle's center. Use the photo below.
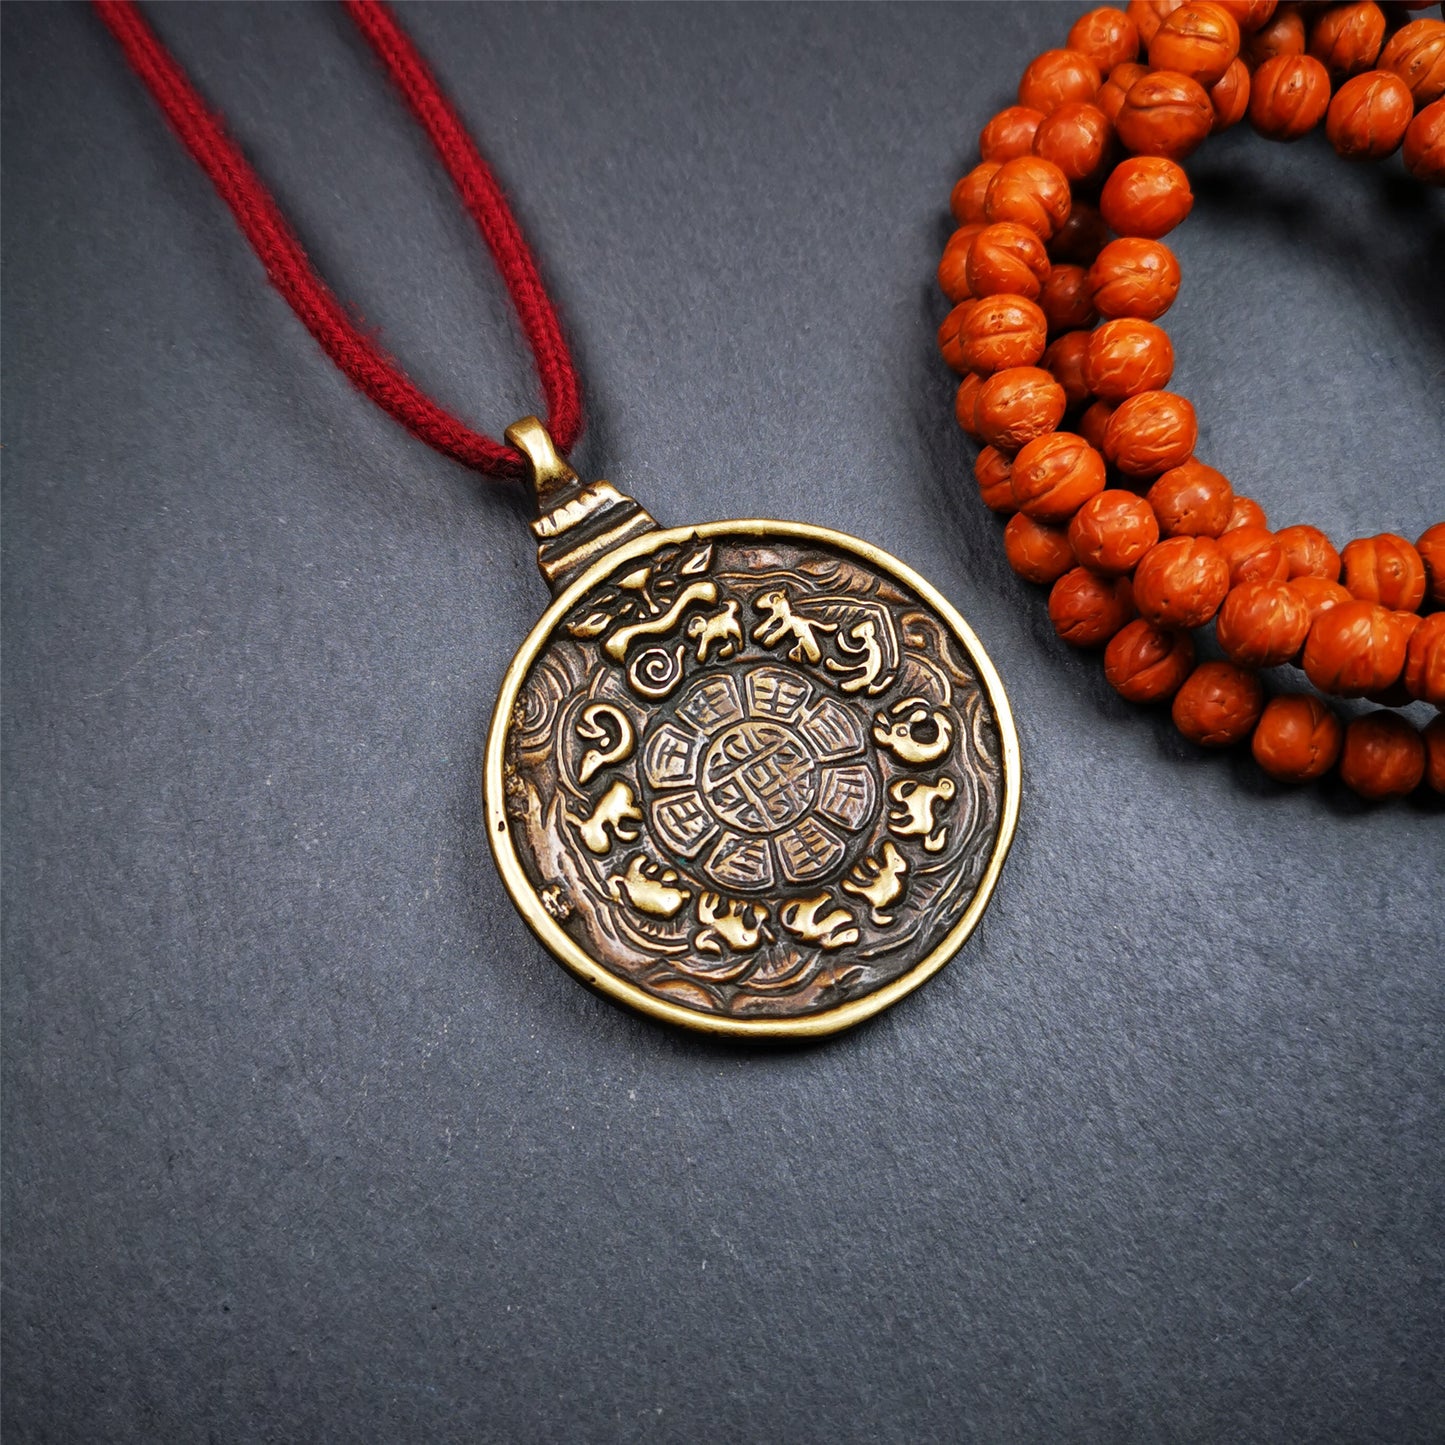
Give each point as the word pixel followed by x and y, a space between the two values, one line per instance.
pixel 305 1138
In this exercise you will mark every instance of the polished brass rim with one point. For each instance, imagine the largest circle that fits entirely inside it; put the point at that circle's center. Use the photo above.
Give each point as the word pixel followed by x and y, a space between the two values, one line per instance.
pixel 581 963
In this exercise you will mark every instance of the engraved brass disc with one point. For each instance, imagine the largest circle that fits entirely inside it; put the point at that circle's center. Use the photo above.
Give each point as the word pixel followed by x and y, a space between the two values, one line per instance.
pixel 751 777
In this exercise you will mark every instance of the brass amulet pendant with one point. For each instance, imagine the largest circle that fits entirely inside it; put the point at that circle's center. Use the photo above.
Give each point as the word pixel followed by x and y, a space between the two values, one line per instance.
pixel 755 778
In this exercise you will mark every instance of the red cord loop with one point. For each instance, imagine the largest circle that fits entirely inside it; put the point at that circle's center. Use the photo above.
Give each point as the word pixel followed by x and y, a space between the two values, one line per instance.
pixel 290 271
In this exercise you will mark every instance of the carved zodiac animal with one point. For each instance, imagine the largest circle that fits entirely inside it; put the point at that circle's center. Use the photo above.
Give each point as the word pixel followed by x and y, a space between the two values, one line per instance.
pixel 831 930
pixel 901 738
pixel 616 809
pixel 861 641
pixel 782 621
pixel 914 815
pixel 648 888
pixel 742 926
pixel 720 628
pixel 617 738
pixel 879 881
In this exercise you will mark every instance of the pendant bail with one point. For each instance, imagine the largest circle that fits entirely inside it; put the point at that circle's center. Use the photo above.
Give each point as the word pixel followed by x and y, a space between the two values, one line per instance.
pixel 551 476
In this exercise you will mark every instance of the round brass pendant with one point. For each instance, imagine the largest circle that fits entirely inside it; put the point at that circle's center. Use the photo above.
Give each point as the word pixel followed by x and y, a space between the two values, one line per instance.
pixel 751 777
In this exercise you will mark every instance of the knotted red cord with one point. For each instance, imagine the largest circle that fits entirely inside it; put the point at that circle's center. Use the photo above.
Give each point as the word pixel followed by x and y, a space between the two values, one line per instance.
pixel 291 272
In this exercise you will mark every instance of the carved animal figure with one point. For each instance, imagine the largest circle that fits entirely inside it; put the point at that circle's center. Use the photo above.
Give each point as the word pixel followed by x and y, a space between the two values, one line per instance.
pixel 742 926
pixel 830 930
pixel 616 646
pixel 648 888
pixel 914 815
pixel 720 628
pixel 616 809
pixel 859 640
pixel 880 881
pixel 900 736
pixel 782 621
pixel 614 749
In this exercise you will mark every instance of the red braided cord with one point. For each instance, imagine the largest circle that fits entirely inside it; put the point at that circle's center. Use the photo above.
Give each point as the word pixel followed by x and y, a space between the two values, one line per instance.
pixel 287 266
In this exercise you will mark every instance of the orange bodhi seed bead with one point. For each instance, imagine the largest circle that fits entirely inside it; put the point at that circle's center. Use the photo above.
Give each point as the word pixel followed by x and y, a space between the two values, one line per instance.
pixel 966 201
pixel 950 344
pixel 1018 404
pixel 1433 736
pixel 1164 114
pixel 1262 624
pixel 991 470
pixel 1127 356
pixel 965 403
pixel 1253 556
pixel 1218 705
pixel 1309 552
pixel 1086 609
pixel 1383 756
pixel 1198 40
pixel 1056 77
pixel 1416 53
pixel 1245 512
pixel 1424 673
pixel 1036 552
pixel 1010 133
pixel 1068 299
pixel 1065 361
pixel 1081 237
pixel 1151 432
pixel 1424 152
pixel 1230 97
pixel 1181 581
pixel 1297 738
pixel 1347 38
pixel 1134 277
pixel 1192 500
pixel 953 264
pixel 1385 569
pixel 1146 196
pixel 1054 475
pixel 1006 259
pixel 1149 15
pixel 1030 191
pixel 1431 547
pixel 1282 34
pixel 1354 648
pixel 1107 36
pixel 1369 115
pixel 1002 331
pixel 1319 594
pixel 1288 97
pixel 1112 531
pixel 1075 138
pixel 1145 663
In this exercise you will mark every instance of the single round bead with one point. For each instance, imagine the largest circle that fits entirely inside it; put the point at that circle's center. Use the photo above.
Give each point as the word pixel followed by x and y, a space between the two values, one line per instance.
pixel 1144 663
pixel 1288 97
pixel 1003 331
pixel 1134 277
pixel 1112 531
pixel 1164 114
pixel 1198 40
pixel 1383 756
pixel 1018 404
pixel 1309 552
pixel 1127 356
pixel 1369 115
pixel 1006 259
pixel 1433 736
pixel 1262 624
pixel 1107 36
pixel 1181 581
pixel 1086 609
pixel 1424 672
pixel 1151 432
pixel 1080 239
pixel 949 342
pixel 1056 77
pixel 1354 648
pixel 1245 512
pixel 1385 569
pixel 1076 138
pixel 1192 500
pixel 1253 555
pixel 965 404
pixel 1030 191
pixel 1230 97
pixel 1064 360
pixel 1319 594
pixel 1054 475
pixel 953 264
pixel 1095 422
pixel 1218 705
pixel 1038 553
pixel 1431 547
pixel 992 471
pixel 1297 738
pixel 1424 150
pixel 1146 196
pixel 1347 38
pixel 1416 53
pixel 1149 15
pixel 966 201
pixel 1068 299
pixel 1010 133
pixel 1282 34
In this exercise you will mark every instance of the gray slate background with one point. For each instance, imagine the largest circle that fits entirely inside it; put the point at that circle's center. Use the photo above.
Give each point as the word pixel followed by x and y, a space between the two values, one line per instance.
pixel 305 1137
